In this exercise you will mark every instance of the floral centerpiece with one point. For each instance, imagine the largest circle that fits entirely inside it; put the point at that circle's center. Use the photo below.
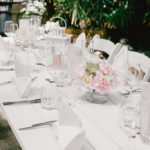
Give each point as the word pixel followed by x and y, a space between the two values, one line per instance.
pixel 97 76
pixel 36 8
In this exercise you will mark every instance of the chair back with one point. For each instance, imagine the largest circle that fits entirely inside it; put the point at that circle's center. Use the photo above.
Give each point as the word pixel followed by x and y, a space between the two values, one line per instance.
pixel 142 62
pixel 102 45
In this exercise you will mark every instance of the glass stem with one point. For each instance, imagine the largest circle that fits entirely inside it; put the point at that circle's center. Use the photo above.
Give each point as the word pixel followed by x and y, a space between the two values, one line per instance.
pixel 130 144
pixel 92 96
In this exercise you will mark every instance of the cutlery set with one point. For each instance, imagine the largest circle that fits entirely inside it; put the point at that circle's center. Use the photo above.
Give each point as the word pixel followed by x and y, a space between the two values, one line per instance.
pixel 50 123
pixel 38 125
pixel 23 102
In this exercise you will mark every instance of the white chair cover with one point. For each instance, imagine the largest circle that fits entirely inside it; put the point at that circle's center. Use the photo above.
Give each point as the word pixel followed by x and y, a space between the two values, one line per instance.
pixel 103 45
pixel 136 59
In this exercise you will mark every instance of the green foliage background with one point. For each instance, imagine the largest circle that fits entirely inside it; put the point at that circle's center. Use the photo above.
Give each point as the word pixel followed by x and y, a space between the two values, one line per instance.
pixel 120 18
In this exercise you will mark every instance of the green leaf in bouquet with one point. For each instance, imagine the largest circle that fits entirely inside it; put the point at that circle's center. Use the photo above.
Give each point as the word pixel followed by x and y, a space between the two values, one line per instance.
pixel 92 68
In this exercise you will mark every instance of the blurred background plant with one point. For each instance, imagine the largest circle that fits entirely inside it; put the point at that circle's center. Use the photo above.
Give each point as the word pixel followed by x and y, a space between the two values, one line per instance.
pixel 119 18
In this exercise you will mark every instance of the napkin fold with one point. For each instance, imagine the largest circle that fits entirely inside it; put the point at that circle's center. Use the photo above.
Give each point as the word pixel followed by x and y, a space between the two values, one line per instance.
pixel 121 65
pixel 145 113
pixel 80 41
pixel 70 138
pixel 4 52
pixel 70 134
pixel 121 59
pixel 67 117
pixel 22 80
pixel 23 85
pixel 22 64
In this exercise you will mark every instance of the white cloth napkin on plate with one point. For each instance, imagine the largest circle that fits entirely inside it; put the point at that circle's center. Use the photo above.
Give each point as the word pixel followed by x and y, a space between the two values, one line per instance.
pixel 23 80
pixel 4 52
pixel 70 134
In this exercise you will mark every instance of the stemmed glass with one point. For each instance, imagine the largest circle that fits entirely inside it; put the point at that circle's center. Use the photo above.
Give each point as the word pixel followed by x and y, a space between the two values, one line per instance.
pixel 7 29
pixel 134 77
pixel 13 28
pixel 129 119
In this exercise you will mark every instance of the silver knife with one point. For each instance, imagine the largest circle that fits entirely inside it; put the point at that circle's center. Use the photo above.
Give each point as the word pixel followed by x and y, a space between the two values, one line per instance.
pixel 7 82
pixel 23 102
pixel 6 69
pixel 38 125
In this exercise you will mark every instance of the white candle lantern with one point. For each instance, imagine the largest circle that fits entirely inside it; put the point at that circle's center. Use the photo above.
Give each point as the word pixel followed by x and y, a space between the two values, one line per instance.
pixel 58 40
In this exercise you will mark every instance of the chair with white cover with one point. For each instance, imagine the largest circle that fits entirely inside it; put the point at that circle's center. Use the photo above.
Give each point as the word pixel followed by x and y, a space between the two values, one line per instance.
pixel 102 45
pixel 138 63
pixel 80 41
pixel 114 53
pixel 141 64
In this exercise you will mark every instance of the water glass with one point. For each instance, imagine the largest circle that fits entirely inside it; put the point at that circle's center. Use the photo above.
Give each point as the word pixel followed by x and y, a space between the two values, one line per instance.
pixel 13 28
pixel 49 96
pixel 60 78
pixel 7 28
pixel 129 120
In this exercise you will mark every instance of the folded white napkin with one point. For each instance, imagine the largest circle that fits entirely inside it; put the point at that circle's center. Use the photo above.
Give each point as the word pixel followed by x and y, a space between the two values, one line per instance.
pixel 80 41
pixel 23 86
pixel 121 65
pixel 4 52
pixel 121 58
pixel 67 117
pixel 70 134
pixel 145 113
pixel 23 80
pixel 70 138
pixel 21 64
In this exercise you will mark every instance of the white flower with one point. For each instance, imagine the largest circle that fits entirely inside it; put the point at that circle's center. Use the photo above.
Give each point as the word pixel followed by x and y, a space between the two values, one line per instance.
pixel 31 8
pixel 29 4
pixel 36 7
pixel 36 3
pixel 35 10
pixel 23 10
pixel 109 78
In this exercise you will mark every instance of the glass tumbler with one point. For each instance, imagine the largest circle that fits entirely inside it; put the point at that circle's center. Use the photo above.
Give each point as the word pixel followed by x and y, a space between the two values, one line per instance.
pixel 49 96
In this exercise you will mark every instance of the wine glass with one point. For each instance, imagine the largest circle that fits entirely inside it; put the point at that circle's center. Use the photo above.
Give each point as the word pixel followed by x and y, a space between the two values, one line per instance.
pixel 129 120
pixel 7 29
pixel 13 28
pixel 134 77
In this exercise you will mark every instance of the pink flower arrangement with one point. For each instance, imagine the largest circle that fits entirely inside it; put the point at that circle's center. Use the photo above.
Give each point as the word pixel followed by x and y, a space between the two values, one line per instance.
pixel 98 76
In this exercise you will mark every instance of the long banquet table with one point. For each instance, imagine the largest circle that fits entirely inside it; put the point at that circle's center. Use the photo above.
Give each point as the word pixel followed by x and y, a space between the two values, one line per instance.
pixel 100 121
